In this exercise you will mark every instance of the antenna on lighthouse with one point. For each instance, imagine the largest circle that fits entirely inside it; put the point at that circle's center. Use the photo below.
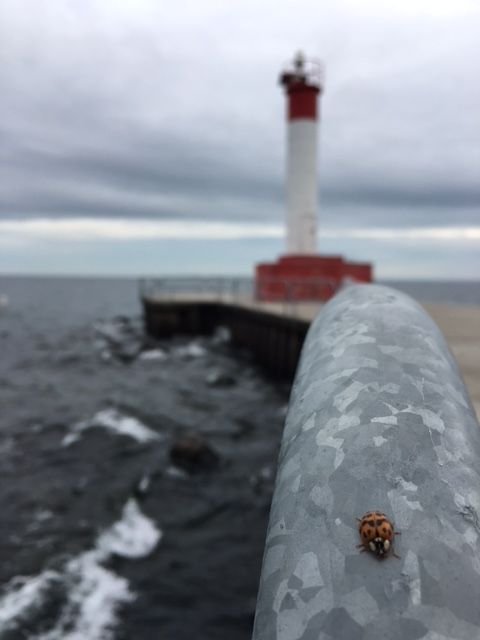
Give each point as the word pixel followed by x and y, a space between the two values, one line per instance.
pixel 299 61
pixel 303 70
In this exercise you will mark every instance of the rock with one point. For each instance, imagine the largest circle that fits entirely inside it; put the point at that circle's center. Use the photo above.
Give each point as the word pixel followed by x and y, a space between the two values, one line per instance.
pixel 262 480
pixel 220 379
pixel 193 453
pixel 222 335
pixel 123 339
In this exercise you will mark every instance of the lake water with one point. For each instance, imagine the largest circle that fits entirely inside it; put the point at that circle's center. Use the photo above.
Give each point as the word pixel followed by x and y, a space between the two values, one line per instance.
pixel 102 537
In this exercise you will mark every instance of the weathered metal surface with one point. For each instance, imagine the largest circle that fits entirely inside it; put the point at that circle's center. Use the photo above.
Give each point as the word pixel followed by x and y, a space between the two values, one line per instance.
pixel 379 418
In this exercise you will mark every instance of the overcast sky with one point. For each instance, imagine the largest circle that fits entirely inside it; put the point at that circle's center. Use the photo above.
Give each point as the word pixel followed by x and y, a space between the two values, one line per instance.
pixel 148 137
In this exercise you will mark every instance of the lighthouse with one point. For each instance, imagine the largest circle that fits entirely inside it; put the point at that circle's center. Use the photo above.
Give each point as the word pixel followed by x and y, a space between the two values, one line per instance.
pixel 303 86
pixel 302 273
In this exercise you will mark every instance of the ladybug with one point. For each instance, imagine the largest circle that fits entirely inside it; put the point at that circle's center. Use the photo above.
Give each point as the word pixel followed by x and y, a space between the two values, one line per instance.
pixel 377 534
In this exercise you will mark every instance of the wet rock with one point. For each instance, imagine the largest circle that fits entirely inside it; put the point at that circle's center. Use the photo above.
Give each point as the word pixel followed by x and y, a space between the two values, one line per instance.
pixel 193 453
pixel 245 426
pixel 220 379
pixel 263 480
pixel 122 337
pixel 222 335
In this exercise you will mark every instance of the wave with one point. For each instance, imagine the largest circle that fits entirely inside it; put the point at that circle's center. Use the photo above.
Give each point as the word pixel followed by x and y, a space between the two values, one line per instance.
pixel 87 594
pixel 191 350
pixel 112 420
pixel 153 354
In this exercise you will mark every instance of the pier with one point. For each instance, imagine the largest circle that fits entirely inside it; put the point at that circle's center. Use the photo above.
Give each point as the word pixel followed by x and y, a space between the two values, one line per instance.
pixel 275 331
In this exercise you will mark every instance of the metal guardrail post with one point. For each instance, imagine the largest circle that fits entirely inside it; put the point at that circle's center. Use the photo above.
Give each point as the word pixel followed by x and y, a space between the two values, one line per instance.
pixel 379 419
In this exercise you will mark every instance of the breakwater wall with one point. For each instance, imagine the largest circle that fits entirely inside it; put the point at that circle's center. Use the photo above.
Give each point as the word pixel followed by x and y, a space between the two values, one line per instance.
pixel 275 340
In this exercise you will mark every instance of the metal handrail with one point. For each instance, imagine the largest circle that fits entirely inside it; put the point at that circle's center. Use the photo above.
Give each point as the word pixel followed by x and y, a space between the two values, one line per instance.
pixel 379 420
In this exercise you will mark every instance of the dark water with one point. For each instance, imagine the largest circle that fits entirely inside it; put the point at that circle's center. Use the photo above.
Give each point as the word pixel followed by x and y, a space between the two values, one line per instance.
pixel 100 535
pixel 113 541
pixel 449 292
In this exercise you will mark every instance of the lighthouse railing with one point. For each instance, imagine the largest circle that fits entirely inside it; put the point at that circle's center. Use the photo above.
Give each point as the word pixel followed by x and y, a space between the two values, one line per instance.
pixel 282 292
pixel 195 287
pixel 379 419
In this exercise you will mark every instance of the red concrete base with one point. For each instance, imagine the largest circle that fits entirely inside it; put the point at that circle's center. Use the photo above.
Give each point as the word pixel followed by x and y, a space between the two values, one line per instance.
pixel 307 277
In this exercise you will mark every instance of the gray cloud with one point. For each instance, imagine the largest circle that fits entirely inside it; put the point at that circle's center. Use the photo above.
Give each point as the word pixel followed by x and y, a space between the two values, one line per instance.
pixel 149 111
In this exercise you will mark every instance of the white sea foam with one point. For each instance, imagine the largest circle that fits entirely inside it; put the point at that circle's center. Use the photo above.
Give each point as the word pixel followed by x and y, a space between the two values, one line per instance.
pixel 134 536
pixel 115 421
pixel 22 595
pixel 94 594
pixel 94 597
pixel 39 517
pixel 191 350
pixel 175 472
pixel 144 484
pixel 153 354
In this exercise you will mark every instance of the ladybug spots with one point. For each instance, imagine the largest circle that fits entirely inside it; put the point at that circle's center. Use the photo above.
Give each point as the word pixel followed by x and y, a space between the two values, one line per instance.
pixel 387 531
pixel 367 532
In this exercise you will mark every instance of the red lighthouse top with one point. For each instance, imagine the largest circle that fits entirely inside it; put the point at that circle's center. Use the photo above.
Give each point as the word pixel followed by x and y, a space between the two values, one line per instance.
pixel 303 82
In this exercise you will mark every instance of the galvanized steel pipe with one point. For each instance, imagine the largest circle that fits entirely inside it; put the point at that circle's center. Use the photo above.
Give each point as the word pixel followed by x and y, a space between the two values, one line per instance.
pixel 379 418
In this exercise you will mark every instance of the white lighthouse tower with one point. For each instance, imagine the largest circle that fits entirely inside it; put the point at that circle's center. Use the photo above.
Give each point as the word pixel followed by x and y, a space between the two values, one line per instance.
pixel 302 273
pixel 303 84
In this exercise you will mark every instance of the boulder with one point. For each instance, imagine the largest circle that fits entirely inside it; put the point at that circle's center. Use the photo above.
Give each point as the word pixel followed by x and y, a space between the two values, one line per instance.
pixel 193 453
